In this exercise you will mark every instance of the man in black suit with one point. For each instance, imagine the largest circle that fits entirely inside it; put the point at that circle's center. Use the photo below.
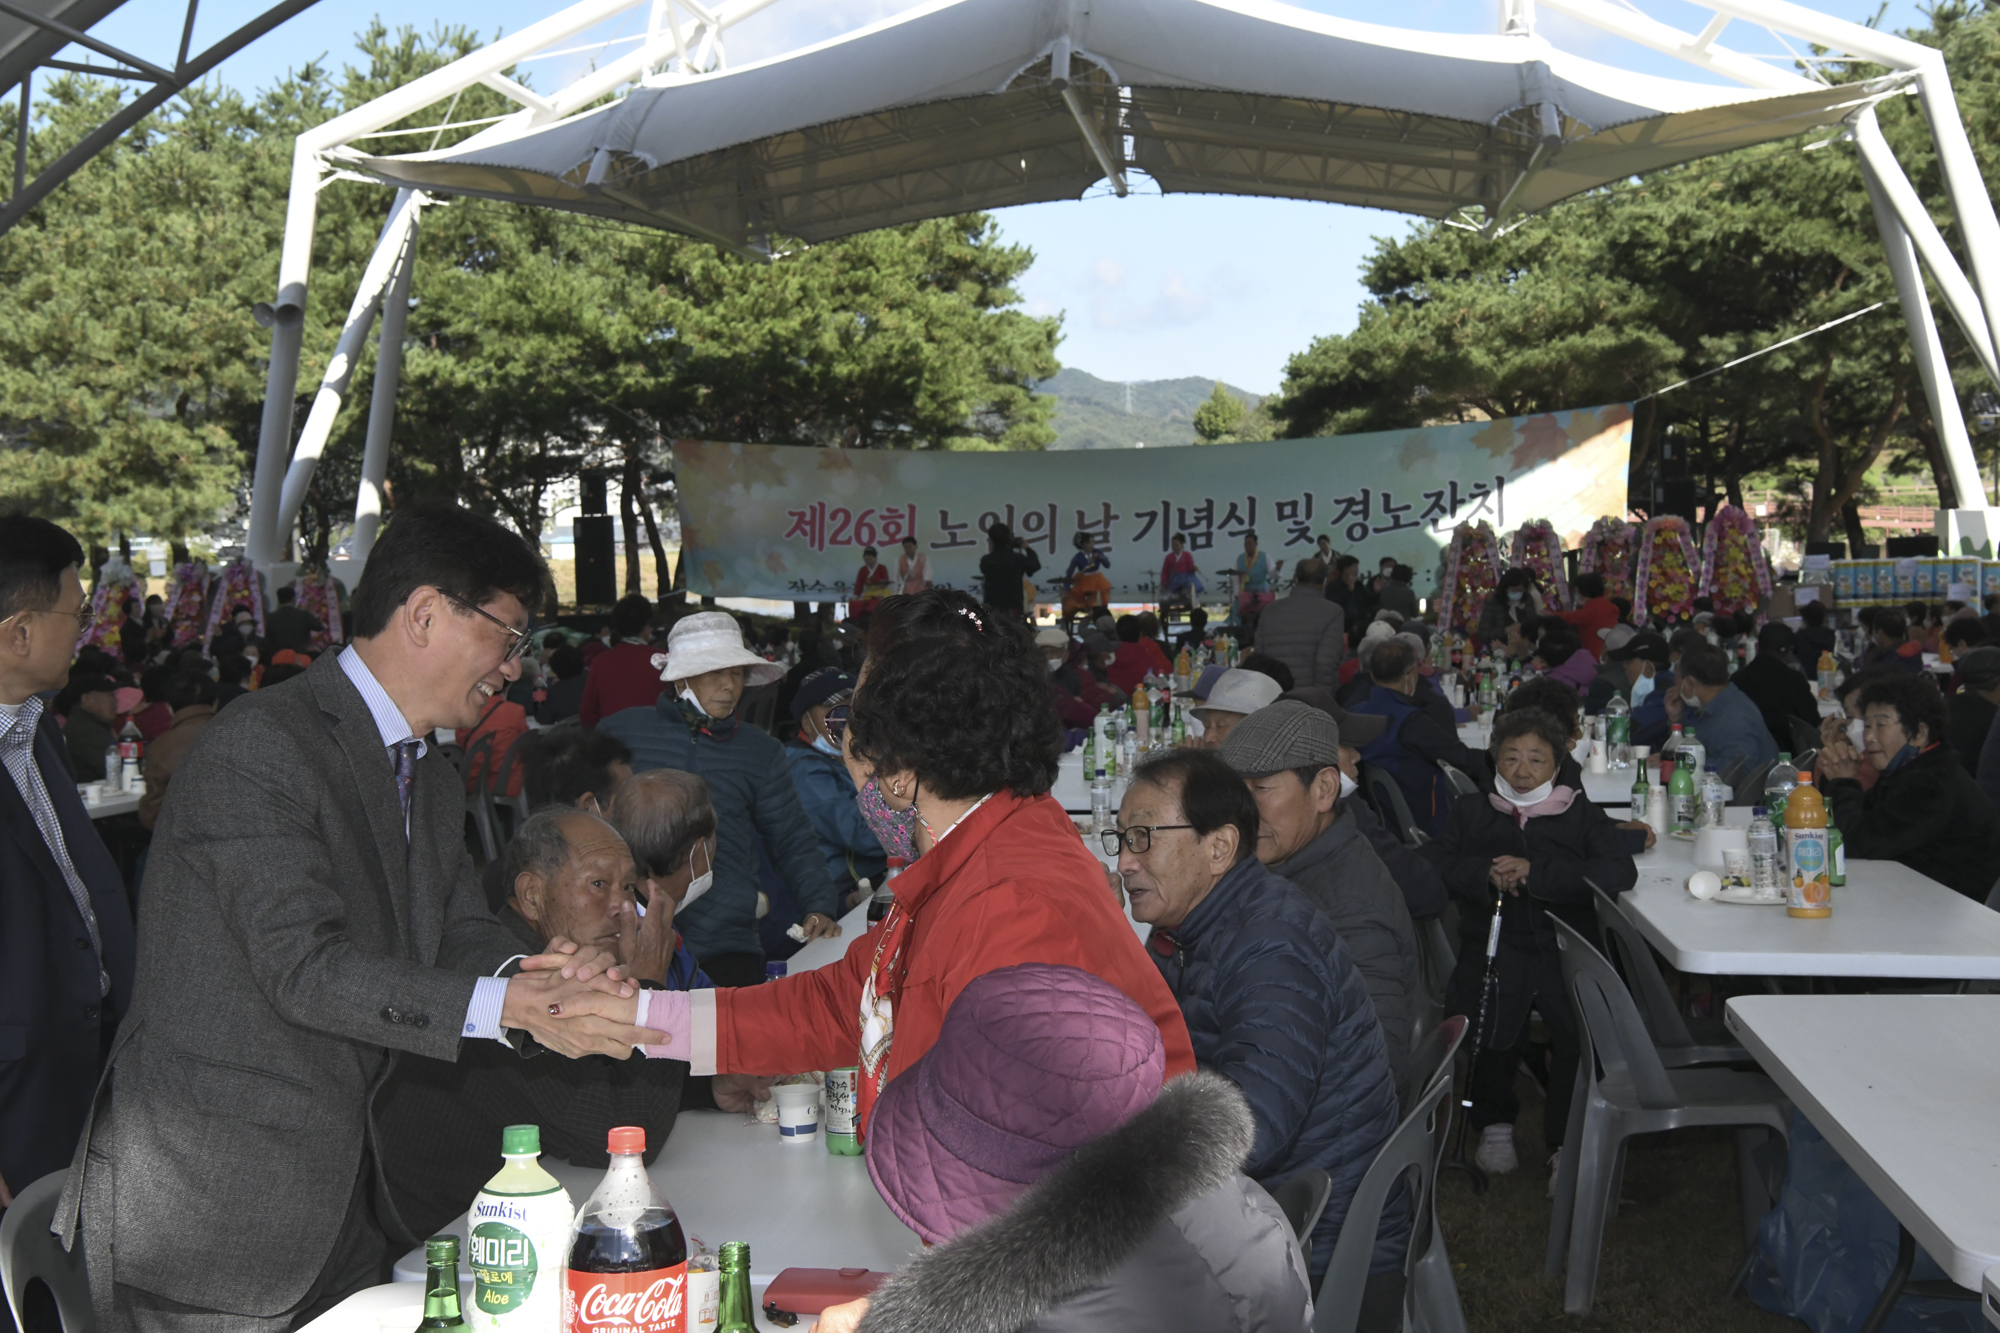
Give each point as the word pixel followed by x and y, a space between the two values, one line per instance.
pixel 66 947
pixel 290 625
pixel 310 916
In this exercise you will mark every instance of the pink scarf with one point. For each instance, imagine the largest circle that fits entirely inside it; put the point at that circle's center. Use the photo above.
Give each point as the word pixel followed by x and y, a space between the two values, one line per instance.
pixel 1554 803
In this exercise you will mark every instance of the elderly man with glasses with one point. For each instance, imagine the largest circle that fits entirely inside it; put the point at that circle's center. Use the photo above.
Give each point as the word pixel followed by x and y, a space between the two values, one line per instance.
pixel 1271 998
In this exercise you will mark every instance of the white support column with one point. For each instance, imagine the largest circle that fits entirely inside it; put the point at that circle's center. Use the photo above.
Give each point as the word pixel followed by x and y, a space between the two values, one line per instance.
pixel 1978 229
pixel 382 404
pixel 340 367
pixel 1964 303
pixel 1932 368
pixel 286 317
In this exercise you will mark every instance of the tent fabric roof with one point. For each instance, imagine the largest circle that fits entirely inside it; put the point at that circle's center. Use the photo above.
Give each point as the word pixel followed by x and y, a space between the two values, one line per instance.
pixel 952 107
pixel 23 45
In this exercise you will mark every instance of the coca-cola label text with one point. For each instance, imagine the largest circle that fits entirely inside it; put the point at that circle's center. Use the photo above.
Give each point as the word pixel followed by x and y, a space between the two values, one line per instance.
pixel 654 1301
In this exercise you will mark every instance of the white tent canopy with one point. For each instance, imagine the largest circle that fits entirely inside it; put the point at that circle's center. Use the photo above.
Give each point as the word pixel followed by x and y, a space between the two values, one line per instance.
pixel 962 105
pixel 974 104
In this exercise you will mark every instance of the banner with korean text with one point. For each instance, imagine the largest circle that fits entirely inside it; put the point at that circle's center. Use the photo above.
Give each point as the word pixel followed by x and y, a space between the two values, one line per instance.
pixel 790 523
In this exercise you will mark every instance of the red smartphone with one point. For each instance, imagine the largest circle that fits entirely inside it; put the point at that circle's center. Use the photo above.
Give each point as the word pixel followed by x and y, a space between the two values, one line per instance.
pixel 811 1290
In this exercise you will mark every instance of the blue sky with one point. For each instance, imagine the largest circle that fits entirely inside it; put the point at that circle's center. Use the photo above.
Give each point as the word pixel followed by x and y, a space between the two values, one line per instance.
pixel 1150 287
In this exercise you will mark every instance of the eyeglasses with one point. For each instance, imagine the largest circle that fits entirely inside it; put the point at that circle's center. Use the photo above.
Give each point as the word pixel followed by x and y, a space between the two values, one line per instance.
pixel 1137 840
pixel 85 617
pixel 521 642
pixel 836 722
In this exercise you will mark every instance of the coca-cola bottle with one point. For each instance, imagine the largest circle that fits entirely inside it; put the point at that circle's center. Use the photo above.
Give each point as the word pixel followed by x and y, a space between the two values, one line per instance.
pixel 627 1269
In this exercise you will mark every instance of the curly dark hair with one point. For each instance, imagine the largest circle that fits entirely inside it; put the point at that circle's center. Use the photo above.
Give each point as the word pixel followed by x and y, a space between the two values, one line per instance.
pixel 957 695
pixel 1916 701
pixel 1553 697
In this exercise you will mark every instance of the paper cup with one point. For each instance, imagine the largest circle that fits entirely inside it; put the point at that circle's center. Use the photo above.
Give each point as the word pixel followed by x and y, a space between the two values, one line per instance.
pixel 798 1112
pixel 1704 884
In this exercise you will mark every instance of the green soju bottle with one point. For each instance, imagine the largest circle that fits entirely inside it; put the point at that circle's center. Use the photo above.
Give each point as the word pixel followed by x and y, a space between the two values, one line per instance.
pixel 735 1314
pixel 441 1284
pixel 1681 796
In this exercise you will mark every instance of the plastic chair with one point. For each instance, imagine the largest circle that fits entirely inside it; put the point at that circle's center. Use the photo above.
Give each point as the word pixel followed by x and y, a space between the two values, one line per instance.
pixel 1302 1199
pixel 1672 1037
pixel 1748 789
pixel 1387 798
pixel 28 1253
pixel 1460 784
pixel 498 778
pixel 1622 1089
pixel 1805 736
pixel 478 759
pixel 1730 774
pixel 1411 1154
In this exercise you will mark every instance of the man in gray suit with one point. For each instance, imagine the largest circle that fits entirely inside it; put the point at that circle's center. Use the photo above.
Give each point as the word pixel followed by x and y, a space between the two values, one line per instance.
pixel 310 913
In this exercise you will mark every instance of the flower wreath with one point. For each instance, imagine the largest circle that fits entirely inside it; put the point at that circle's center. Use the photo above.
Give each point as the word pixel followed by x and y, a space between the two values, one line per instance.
pixel 313 591
pixel 114 580
pixel 187 601
pixel 1666 576
pixel 1471 572
pixel 1537 546
pixel 238 582
pixel 1735 571
pixel 1608 549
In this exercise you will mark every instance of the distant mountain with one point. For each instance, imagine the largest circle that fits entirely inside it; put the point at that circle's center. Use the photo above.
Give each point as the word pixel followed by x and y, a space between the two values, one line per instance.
pixel 1092 413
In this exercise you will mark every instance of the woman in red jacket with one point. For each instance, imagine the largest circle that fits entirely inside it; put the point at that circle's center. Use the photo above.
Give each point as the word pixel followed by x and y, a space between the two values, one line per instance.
pixel 953 728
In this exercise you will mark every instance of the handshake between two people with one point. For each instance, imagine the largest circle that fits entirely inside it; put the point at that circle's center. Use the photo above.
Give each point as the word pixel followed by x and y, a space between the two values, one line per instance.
pixel 581 1000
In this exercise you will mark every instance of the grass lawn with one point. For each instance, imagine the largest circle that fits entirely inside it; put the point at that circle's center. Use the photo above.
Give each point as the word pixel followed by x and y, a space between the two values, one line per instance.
pixel 1668 1255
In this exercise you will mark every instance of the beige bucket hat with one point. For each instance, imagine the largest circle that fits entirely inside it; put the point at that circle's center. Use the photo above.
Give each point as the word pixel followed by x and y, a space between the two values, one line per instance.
pixel 711 641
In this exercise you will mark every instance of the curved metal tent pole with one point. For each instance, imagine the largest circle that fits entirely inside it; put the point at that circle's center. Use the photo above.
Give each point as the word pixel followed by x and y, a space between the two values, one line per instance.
pixel 1909 235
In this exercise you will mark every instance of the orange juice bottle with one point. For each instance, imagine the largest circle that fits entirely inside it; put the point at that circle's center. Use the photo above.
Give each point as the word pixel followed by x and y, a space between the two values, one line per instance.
pixel 1809 891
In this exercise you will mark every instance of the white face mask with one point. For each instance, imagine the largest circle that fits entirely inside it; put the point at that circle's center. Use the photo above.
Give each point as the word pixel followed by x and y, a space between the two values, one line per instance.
pixel 1523 798
pixel 1640 689
pixel 1348 786
pixel 1854 734
pixel 1055 665
pixel 703 882
pixel 688 695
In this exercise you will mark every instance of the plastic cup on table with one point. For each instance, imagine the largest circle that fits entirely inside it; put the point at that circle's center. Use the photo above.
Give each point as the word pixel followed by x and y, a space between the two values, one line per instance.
pixel 798 1113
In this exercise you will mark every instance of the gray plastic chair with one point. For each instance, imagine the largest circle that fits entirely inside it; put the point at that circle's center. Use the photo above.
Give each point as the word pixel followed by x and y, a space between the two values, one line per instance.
pixel 1805 736
pixel 1302 1199
pixel 1411 1154
pixel 1676 1042
pixel 1455 778
pixel 1748 789
pixel 28 1253
pixel 1388 801
pixel 1622 1089
pixel 479 756
pixel 498 778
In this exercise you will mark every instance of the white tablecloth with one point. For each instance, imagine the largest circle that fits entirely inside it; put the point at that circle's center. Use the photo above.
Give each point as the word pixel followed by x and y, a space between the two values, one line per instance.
pixel 1889 921
pixel 114 803
pixel 1904 1087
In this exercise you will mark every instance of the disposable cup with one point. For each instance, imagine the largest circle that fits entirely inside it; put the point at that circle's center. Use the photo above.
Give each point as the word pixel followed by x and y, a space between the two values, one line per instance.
pixel 798 1112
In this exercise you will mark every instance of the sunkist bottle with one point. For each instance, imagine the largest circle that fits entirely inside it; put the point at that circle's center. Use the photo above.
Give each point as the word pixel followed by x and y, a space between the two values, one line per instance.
pixel 627 1253
pixel 441 1284
pixel 1811 891
pixel 520 1229
pixel 1828 671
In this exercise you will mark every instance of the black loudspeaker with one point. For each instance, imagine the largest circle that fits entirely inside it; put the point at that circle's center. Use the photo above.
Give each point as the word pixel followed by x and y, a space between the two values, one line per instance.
pixel 1908 546
pixel 1838 550
pixel 1677 496
pixel 596 569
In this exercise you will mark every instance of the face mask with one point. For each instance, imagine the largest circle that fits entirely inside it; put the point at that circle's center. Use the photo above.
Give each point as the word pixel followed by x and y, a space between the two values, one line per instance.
pixel 1854 735
pixel 1348 786
pixel 1055 665
pixel 1524 799
pixel 896 830
pixel 1515 594
pixel 701 883
pixel 1640 689
pixel 688 695
pixel 826 747
pixel 1690 701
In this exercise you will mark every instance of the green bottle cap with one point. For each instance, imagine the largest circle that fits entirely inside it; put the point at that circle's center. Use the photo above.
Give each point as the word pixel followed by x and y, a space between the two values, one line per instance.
pixel 521 1141
pixel 441 1250
pixel 734 1256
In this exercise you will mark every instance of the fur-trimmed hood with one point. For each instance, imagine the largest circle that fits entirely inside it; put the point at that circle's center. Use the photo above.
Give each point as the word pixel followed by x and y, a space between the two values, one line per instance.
pixel 1076 1225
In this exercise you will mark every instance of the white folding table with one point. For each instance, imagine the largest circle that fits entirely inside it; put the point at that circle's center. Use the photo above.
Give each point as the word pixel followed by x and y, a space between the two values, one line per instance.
pixel 1889 921
pixel 112 803
pixel 1904 1087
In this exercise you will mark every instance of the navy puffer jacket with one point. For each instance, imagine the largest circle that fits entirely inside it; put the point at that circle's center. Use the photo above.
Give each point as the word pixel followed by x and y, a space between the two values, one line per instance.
pixel 1274 1004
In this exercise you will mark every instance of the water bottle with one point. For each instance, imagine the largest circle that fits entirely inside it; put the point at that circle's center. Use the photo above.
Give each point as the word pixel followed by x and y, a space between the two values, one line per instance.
pixel 1618 732
pixel 1712 801
pixel 1100 802
pixel 1778 787
pixel 1763 854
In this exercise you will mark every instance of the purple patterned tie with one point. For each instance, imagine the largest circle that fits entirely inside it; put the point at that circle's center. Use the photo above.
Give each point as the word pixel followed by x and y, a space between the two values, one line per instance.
pixel 406 775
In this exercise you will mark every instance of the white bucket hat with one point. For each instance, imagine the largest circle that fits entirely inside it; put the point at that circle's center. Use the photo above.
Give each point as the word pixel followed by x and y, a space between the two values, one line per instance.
pixel 1239 691
pixel 712 641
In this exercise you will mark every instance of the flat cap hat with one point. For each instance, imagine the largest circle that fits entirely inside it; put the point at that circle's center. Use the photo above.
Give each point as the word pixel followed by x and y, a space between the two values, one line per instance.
pixel 1288 734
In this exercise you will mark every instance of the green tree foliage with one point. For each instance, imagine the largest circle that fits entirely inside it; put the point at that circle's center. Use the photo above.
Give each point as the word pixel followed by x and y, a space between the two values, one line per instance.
pixel 132 372
pixel 1621 293
pixel 1220 417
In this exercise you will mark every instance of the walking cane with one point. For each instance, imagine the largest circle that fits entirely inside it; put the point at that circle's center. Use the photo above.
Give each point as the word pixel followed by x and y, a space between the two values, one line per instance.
pixel 1487 985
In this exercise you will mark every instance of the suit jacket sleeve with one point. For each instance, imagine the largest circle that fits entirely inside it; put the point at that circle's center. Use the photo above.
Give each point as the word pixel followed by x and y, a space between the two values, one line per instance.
pixel 789 837
pixel 254 829
pixel 1332 650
